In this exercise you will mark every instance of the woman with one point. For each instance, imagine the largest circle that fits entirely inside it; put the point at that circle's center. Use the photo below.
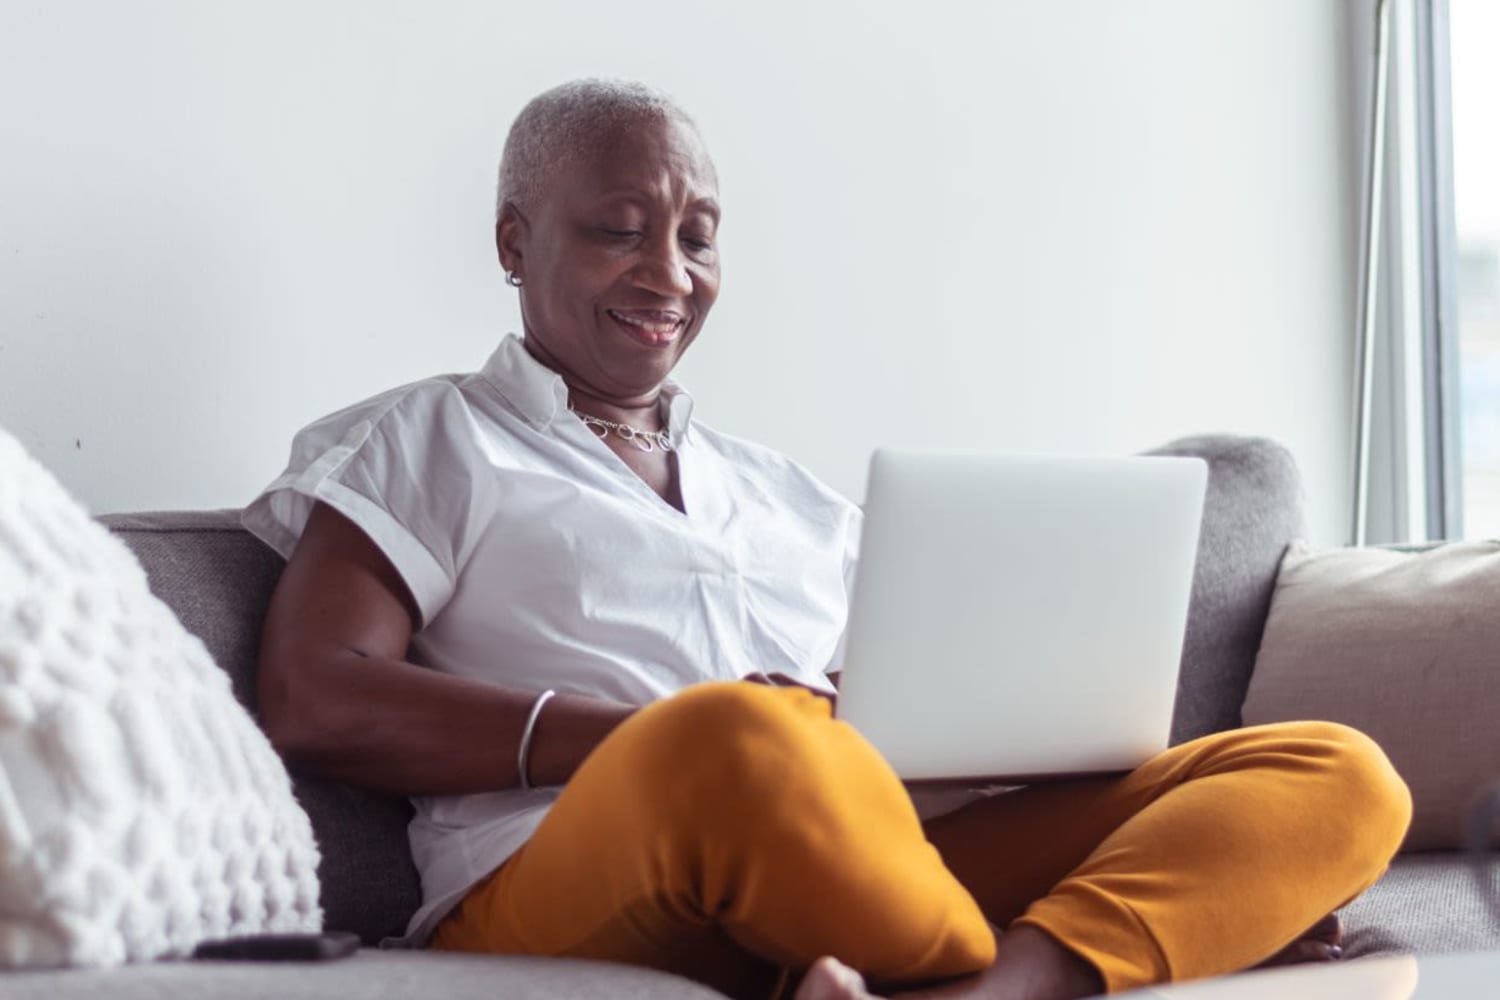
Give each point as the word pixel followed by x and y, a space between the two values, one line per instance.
pixel 500 584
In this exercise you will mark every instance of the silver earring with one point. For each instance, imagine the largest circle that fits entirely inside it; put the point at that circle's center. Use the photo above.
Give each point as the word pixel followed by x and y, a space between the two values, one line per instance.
pixel 512 279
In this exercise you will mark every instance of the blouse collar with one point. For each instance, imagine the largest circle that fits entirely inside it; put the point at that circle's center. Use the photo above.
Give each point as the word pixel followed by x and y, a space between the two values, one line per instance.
pixel 540 394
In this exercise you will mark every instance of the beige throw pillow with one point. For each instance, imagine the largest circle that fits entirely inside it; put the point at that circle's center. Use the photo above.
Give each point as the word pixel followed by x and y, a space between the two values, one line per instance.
pixel 1404 647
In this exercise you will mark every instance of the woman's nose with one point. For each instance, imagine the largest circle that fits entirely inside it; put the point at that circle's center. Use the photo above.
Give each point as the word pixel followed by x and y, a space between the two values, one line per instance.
pixel 664 269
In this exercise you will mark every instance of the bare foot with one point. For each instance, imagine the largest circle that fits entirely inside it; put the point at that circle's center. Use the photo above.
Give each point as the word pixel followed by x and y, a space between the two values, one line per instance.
pixel 830 979
pixel 1319 943
pixel 1030 964
pixel 1063 973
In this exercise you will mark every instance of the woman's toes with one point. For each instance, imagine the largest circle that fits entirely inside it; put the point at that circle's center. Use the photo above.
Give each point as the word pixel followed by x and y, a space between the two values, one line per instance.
pixel 1319 943
pixel 830 979
pixel 1328 929
pixel 1304 950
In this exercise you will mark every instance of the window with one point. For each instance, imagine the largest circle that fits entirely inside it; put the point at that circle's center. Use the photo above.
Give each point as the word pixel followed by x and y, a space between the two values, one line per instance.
pixel 1431 397
pixel 1473 37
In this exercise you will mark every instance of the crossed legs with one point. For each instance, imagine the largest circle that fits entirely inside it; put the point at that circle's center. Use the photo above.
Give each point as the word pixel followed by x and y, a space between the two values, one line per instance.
pixel 734 831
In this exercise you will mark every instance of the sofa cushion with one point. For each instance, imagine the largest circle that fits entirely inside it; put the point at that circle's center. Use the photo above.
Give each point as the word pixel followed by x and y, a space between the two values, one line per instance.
pixel 1403 647
pixel 1427 904
pixel 369 975
pixel 218 579
pixel 1253 510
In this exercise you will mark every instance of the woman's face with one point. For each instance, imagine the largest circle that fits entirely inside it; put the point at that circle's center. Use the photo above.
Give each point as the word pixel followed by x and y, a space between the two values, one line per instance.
pixel 619 259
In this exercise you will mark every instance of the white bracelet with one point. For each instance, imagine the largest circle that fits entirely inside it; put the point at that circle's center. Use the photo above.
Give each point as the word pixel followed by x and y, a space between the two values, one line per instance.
pixel 525 752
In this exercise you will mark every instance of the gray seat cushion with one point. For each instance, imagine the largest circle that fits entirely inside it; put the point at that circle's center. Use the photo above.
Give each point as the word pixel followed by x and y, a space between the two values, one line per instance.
pixel 218 578
pixel 369 975
pixel 1426 903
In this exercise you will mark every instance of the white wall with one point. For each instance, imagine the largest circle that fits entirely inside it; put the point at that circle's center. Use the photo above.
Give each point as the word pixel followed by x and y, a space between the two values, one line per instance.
pixel 1076 226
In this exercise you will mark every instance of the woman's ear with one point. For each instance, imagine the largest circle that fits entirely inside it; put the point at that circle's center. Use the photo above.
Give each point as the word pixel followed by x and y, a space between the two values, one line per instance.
pixel 510 232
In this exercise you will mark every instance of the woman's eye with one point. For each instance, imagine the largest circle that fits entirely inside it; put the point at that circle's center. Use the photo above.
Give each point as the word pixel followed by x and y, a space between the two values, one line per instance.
pixel 698 243
pixel 623 234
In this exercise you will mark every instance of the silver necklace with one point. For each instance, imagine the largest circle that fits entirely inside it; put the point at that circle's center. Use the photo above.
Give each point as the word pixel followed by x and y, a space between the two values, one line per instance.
pixel 644 440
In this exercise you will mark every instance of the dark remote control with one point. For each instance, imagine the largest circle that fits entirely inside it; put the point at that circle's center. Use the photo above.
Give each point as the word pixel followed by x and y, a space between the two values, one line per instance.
pixel 281 947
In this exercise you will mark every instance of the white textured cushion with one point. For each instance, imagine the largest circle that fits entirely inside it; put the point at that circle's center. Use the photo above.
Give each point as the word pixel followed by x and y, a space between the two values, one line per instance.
pixel 141 809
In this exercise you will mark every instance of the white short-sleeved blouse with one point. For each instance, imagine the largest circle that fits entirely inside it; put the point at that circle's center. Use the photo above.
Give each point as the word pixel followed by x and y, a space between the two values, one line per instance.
pixel 539 560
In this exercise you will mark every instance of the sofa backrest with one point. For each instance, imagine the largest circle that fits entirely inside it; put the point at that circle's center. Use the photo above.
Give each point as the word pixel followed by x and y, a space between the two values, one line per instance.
pixel 218 578
pixel 1253 510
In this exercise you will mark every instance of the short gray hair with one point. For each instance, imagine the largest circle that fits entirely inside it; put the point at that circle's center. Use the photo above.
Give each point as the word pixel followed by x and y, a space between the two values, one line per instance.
pixel 565 122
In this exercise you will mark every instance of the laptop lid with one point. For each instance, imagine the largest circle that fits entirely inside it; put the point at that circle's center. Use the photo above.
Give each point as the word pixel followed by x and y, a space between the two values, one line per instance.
pixel 1019 617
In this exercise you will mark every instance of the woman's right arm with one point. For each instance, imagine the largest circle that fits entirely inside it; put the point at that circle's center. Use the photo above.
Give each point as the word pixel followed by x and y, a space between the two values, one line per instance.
pixel 337 697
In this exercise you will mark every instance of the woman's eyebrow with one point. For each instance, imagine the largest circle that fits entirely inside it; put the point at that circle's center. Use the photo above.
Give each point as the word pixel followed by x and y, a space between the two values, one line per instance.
pixel 707 204
pixel 624 194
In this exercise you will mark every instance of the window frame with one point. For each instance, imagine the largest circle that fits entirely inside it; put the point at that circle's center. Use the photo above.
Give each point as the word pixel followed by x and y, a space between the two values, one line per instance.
pixel 1438 252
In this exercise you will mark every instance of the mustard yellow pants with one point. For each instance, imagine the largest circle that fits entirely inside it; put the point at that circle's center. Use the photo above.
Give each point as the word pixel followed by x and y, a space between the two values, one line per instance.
pixel 734 831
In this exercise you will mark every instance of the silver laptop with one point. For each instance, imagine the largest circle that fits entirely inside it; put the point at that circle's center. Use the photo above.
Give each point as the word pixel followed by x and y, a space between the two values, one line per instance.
pixel 1017 618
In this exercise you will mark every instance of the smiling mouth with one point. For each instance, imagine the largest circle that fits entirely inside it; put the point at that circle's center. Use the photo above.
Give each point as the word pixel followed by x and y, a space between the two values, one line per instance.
pixel 652 327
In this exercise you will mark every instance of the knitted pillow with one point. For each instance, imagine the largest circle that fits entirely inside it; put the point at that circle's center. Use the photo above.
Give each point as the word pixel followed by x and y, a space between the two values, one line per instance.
pixel 141 809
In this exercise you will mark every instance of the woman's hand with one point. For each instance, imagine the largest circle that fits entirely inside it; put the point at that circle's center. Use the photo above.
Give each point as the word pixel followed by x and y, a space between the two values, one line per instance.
pixel 782 680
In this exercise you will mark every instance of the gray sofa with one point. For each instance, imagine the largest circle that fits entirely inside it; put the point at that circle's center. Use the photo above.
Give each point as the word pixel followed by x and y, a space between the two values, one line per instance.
pixel 218 579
